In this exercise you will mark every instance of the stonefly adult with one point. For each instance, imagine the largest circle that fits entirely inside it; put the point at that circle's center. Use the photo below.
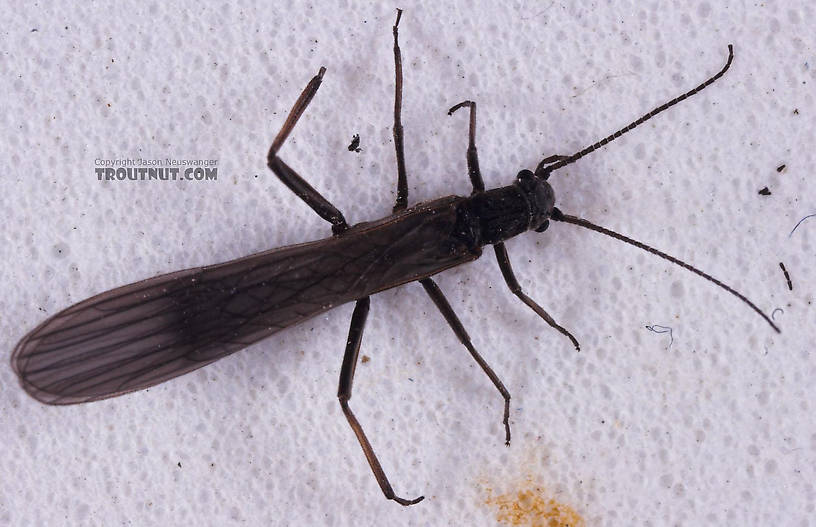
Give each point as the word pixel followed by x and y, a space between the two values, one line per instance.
pixel 141 334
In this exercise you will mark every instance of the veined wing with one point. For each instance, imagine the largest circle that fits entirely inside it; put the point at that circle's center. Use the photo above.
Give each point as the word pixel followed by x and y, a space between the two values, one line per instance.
pixel 141 334
pixel 144 333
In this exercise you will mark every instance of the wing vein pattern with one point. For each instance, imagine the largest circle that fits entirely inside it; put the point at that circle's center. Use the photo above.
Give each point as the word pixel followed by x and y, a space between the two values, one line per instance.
pixel 141 334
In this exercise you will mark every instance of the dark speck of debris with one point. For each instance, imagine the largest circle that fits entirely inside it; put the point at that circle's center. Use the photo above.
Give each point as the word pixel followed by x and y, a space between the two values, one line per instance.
pixel 787 276
pixel 780 168
pixel 365 358
pixel 34 30
pixel 355 144
pixel 179 464
pixel 796 111
pixel 765 192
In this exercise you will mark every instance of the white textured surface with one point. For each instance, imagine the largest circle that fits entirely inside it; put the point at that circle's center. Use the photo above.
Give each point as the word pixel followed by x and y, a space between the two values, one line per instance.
pixel 717 430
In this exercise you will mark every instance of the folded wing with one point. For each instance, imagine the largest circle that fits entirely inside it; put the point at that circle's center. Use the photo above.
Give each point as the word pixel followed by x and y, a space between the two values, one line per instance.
pixel 144 333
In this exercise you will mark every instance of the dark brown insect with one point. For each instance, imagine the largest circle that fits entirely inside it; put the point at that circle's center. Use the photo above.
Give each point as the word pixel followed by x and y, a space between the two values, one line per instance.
pixel 145 333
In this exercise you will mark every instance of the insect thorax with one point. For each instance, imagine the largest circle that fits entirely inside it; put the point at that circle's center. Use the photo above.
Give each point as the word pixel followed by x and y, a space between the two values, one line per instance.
pixel 504 212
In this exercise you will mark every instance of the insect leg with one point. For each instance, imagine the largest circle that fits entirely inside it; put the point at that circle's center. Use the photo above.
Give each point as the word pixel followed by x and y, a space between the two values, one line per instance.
pixel 472 157
pixel 402 178
pixel 456 325
pixel 290 178
pixel 512 283
pixel 355 336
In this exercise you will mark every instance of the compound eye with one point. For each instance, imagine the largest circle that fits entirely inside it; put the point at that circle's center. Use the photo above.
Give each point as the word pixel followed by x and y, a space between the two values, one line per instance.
pixel 526 180
pixel 543 226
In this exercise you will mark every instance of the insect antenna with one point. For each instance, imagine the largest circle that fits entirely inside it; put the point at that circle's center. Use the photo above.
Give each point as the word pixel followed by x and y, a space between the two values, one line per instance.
pixel 544 168
pixel 557 215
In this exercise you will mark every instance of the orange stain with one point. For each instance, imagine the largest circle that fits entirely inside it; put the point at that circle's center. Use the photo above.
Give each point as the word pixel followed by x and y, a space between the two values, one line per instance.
pixel 532 508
